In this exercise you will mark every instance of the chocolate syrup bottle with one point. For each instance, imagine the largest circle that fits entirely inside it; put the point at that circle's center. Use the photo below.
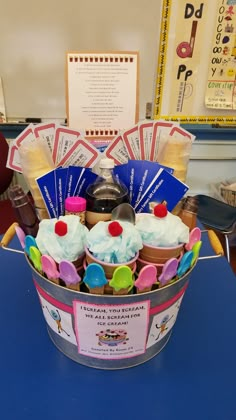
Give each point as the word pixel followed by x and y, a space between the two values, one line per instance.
pixel 188 213
pixel 24 210
pixel 104 194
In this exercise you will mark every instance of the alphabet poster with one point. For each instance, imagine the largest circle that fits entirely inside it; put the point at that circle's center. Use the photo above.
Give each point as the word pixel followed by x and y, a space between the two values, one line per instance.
pixel 221 86
pixel 196 70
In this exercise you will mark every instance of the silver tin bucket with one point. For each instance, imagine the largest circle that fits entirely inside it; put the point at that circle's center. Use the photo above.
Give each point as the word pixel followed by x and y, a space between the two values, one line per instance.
pixel 106 331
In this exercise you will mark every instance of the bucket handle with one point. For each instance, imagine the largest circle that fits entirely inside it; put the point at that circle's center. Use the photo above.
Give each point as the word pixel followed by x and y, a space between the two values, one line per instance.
pixel 213 238
pixel 7 238
pixel 215 244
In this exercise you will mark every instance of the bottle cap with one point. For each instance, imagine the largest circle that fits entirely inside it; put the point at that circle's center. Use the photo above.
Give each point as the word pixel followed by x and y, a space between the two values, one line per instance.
pixel 191 204
pixel 107 163
pixel 75 204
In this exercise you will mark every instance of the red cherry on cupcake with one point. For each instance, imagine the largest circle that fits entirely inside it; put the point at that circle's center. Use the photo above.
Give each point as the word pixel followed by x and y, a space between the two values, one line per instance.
pixel 60 228
pixel 160 210
pixel 115 229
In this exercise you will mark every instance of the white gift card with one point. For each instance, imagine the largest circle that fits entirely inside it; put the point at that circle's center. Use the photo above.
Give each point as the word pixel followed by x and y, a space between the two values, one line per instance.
pixel 65 139
pixel 47 133
pixel 116 150
pixel 82 153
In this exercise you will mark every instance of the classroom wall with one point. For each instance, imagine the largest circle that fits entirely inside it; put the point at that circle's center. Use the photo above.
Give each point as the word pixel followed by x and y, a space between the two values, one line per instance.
pixel 36 36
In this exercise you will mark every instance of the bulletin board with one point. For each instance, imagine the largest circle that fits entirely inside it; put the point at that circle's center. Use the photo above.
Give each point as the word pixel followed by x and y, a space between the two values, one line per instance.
pixel 196 70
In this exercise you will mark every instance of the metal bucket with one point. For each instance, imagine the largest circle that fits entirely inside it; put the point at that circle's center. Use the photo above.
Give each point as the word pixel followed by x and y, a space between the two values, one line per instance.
pixel 109 332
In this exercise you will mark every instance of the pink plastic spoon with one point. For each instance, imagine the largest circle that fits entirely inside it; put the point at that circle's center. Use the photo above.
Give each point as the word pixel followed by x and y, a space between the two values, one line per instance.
pixel 147 277
pixel 20 235
pixel 49 267
pixel 195 236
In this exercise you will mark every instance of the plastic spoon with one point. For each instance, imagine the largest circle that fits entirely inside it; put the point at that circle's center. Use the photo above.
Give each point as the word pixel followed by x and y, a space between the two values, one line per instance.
pixel 29 241
pixel 68 273
pixel 185 263
pixel 125 212
pixel 49 267
pixel 95 276
pixel 122 279
pixel 20 235
pixel 35 257
pixel 169 271
pixel 196 249
pixel 147 277
pixel 195 236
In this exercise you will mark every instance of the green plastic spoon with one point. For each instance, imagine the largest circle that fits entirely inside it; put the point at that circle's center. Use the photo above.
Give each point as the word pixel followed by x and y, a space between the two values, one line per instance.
pixel 35 257
pixel 122 278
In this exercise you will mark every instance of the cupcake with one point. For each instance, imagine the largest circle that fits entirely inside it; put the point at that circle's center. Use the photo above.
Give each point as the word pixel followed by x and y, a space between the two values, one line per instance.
pixel 112 244
pixel 163 235
pixel 63 239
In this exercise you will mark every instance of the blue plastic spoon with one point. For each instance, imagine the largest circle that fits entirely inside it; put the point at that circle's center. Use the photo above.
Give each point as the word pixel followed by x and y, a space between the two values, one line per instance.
pixel 29 241
pixel 185 263
pixel 95 276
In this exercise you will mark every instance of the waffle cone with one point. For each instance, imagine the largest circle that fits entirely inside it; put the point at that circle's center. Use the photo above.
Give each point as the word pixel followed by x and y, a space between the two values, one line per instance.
pixel 97 290
pixel 121 291
pixel 75 287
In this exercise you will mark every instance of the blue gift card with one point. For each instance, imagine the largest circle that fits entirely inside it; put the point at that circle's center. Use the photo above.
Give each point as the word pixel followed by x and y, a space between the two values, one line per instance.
pixel 144 172
pixel 86 178
pixel 60 183
pixel 46 184
pixel 164 188
pixel 73 176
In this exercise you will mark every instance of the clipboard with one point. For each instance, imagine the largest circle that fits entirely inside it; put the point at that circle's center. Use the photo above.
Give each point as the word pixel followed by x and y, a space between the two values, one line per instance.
pixel 197 47
pixel 102 92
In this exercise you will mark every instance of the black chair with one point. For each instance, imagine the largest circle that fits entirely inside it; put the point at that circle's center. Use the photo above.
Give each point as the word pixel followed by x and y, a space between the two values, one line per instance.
pixel 218 216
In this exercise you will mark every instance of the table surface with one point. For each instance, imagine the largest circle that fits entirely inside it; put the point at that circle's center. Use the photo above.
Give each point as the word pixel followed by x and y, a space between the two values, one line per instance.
pixel 193 377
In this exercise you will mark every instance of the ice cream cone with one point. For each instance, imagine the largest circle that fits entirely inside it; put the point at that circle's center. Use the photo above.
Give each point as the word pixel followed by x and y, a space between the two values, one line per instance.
pixel 75 286
pixel 55 281
pixel 159 255
pixel 97 290
pixel 145 290
pixel 109 268
pixel 121 291
pixel 108 290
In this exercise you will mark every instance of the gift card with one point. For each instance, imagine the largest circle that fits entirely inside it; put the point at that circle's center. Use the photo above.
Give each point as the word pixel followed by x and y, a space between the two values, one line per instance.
pixel 145 171
pixel 164 188
pixel 65 139
pixel 87 177
pixel 60 184
pixel 46 184
pixel 13 158
pixel 116 150
pixel 47 133
pixel 26 135
pixel 73 175
pixel 145 139
pixel 160 130
pixel 82 153
pixel 179 133
pixel 131 141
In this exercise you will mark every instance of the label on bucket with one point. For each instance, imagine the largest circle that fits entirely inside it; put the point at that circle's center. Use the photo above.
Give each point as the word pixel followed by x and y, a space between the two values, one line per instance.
pixel 163 322
pixel 111 331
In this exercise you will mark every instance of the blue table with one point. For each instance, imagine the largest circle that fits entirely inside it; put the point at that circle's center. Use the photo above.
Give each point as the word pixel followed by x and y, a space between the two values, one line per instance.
pixel 194 377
